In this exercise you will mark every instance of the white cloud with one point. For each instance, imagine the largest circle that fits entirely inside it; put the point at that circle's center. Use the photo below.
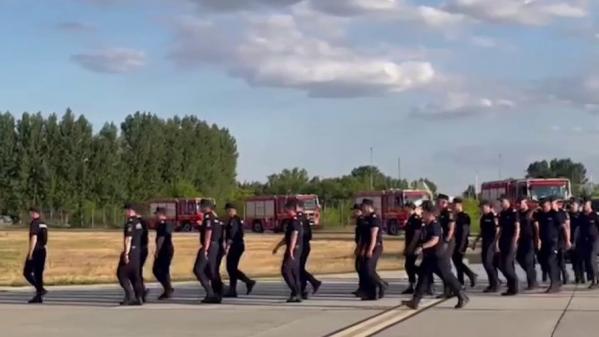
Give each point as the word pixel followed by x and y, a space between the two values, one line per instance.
pixel 233 5
pixel 112 60
pixel 578 91
pixel 275 52
pixel 460 104
pixel 525 12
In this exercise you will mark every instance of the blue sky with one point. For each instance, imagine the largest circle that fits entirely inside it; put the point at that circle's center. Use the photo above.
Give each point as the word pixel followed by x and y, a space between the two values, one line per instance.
pixel 445 85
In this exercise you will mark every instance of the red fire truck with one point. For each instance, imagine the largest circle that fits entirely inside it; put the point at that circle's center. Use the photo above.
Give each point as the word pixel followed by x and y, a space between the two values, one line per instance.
pixel 390 206
pixel 534 189
pixel 267 212
pixel 183 213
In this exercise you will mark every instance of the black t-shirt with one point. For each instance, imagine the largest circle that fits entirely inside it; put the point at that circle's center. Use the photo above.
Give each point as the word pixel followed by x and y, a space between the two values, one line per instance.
pixel 134 229
pixel 575 219
pixel 563 218
pixel 307 236
pixel 413 227
pixel 39 229
pixel 488 228
pixel 588 230
pixel 445 219
pixel 462 230
pixel 507 222
pixel 549 228
pixel 145 235
pixel 294 224
pixel 372 221
pixel 431 230
pixel 360 223
pixel 527 229
pixel 165 230
pixel 211 223
pixel 234 230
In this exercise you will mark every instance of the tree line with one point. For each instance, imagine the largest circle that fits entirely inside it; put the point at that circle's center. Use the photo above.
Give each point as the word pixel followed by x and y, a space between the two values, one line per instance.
pixel 61 164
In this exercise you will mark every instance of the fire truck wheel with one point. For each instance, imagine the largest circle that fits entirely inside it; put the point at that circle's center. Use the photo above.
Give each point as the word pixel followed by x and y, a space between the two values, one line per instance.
pixel 186 227
pixel 257 227
pixel 393 227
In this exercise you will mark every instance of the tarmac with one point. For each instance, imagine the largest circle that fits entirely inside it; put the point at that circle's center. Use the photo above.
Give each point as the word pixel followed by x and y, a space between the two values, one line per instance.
pixel 92 311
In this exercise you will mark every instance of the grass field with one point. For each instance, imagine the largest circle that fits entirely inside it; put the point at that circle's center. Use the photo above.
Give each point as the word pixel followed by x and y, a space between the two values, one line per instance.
pixel 91 257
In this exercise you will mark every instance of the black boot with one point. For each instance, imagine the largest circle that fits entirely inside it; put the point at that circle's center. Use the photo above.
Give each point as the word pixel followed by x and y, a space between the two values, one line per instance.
pixel 37 299
pixel 412 304
pixel 250 286
pixel 409 290
pixel 463 299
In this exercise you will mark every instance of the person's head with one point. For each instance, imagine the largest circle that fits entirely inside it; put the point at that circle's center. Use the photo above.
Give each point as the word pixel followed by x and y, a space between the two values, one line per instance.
pixel 588 206
pixel 34 213
pixel 442 201
pixel 458 204
pixel 418 210
pixel 555 204
pixel 299 207
pixel 523 204
pixel 291 207
pixel 160 213
pixel 574 205
pixel 486 207
pixel 356 210
pixel 130 210
pixel 546 204
pixel 367 206
pixel 505 203
pixel 428 211
pixel 231 209
pixel 206 206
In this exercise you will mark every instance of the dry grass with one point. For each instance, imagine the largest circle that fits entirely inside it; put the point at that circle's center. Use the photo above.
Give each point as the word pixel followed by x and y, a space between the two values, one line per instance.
pixel 91 257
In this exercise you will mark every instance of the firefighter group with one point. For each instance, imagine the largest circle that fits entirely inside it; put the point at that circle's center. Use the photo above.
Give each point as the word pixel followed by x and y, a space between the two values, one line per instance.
pixel 436 236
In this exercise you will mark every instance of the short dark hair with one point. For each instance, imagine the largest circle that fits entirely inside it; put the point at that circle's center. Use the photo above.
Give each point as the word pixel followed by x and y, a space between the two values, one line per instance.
pixel 458 200
pixel 230 205
pixel 443 197
pixel 367 202
pixel 485 203
pixel 428 206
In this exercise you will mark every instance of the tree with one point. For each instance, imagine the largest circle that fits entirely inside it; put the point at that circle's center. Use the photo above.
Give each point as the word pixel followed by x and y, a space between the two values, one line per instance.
pixel 425 184
pixel 470 192
pixel 288 181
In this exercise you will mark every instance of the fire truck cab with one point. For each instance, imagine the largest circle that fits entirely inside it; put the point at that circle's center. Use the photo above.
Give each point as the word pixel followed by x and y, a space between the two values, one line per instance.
pixel 183 213
pixel 268 212
pixel 390 205
pixel 533 189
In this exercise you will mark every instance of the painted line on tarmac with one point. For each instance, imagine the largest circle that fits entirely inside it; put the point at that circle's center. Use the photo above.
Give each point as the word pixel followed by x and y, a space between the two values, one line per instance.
pixel 381 321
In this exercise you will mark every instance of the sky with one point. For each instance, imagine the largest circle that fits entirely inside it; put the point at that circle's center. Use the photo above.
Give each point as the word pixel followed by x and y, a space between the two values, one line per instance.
pixel 459 90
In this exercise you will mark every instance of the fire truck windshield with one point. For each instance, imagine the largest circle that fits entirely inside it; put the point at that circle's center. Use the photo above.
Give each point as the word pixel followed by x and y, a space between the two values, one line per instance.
pixel 540 192
pixel 310 204
pixel 416 198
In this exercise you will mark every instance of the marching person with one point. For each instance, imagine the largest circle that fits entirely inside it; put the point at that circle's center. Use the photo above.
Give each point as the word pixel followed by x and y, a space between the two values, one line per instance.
pixel 412 238
pixel 462 232
pixel 371 250
pixel 359 224
pixel 588 241
pixel 489 228
pixel 525 253
pixel 145 241
pixel 564 247
pixel 305 276
pixel 164 253
pixel 36 255
pixel 235 247
pixel 290 267
pixel 551 233
pixel 430 246
pixel 578 263
pixel 509 233
pixel 447 222
pixel 207 268
pixel 130 259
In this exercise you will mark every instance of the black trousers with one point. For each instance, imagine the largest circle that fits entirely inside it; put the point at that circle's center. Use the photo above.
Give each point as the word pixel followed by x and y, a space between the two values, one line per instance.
pixel 202 272
pixel 372 281
pixel 542 260
pixel 233 258
pixel 142 262
pixel 525 255
pixel 550 255
pixel 507 258
pixel 358 261
pixel 578 263
pixel 290 270
pixel 461 267
pixel 34 269
pixel 411 268
pixel 129 276
pixel 306 276
pixel 561 261
pixel 162 267
pixel 432 263
pixel 489 263
pixel 591 249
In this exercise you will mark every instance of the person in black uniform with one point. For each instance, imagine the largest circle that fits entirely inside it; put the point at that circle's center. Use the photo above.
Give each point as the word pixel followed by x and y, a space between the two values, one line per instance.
pixel 290 267
pixel 412 238
pixel 130 259
pixel 564 219
pixel 371 250
pixel 235 247
pixel 164 253
pixel 207 268
pixel 431 246
pixel 525 253
pixel 305 276
pixel 462 232
pixel 36 255
pixel 145 241
pixel 509 233
pixel 489 228
pixel 359 223
pixel 551 232
pixel 578 265
pixel 587 241
pixel 447 222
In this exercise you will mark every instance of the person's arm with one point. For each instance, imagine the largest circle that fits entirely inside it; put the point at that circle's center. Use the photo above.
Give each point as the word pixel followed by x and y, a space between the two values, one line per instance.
pixel 207 240
pixel 374 232
pixel 498 233
pixel 479 235
pixel 127 244
pixel 465 232
pixel 516 234
pixel 32 243
pixel 414 242
pixel 451 229
pixel 159 243
pixel 234 229
pixel 566 233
